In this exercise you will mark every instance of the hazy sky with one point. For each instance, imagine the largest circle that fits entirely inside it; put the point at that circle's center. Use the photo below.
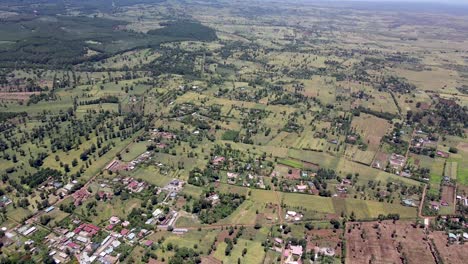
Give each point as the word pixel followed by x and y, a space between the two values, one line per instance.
pixel 448 2
pixel 422 1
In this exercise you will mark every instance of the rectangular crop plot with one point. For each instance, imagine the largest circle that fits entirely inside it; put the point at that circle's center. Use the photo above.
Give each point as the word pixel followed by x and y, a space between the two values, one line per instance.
pixel 451 169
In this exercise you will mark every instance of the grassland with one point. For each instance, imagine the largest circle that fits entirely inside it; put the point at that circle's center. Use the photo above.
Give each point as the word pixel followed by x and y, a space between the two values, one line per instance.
pixel 255 253
pixel 260 100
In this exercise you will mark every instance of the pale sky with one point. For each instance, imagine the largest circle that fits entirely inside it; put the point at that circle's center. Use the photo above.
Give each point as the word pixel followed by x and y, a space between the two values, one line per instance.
pixel 418 1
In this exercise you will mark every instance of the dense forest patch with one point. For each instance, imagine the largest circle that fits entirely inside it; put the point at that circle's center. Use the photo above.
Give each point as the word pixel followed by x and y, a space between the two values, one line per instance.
pixel 58 41
pixel 185 30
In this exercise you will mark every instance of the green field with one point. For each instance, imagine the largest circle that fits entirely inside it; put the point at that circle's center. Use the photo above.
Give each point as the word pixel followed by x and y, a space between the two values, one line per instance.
pixel 255 253
pixel 451 170
pixel 371 209
pixel 151 175
pixel 361 208
pixel 308 202
pixel 258 107
pixel 291 163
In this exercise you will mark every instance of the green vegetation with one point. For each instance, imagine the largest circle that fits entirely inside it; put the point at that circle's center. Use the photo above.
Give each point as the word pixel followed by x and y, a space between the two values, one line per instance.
pixel 208 131
pixel 231 135
pixel 185 30
pixel 211 210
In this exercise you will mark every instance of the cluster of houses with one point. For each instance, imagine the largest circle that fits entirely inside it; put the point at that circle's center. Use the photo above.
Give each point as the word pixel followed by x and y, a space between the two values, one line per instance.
pixel 463 200
pixel 397 162
pixel 4 201
pixel 63 244
pixel 26 230
pixel 408 202
pixel 86 241
pixel 293 254
pixel 218 160
pixel 301 187
pixel 457 237
pixel 213 198
pixel 342 188
pixel 80 242
pixel 173 188
pixel 133 185
pixel 142 158
pixel 129 183
pixel 118 165
pixel 250 180
pixel 423 140
pixel 168 220
pixel 162 134
pixel 57 187
pixel 324 251
pixel 186 87
pixel 174 185
pixel 80 196
pixel 293 216
pixel 436 205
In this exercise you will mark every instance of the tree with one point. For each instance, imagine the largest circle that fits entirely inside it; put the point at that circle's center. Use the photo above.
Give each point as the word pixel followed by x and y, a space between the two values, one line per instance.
pixel 66 167
pixel 336 224
pixel 453 150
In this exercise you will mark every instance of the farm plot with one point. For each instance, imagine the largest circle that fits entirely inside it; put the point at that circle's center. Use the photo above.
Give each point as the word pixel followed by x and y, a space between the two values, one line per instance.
pixel 380 102
pixel 254 255
pixel 320 158
pixel 151 175
pixel 461 157
pixel 361 156
pixel 386 242
pixel 324 238
pixel 308 142
pixel 368 173
pixel 16 96
pixel 308 202
pixel 371 128
pixel 451 170
pixel 244 214
pixel 447 196
pixel 380 160
pixel 83 109
pixel 454 254
pixel 114 207
pixel 364 209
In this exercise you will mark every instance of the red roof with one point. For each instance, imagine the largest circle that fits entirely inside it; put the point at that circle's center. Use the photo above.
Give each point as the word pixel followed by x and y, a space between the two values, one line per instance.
pixel 73 245
pixel 133 184
pixel 218 160
pixel 124 232
pixel 89 228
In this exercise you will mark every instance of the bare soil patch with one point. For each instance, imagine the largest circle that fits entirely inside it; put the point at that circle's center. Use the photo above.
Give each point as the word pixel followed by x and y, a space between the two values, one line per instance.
pixel 324 238
pixel 18 96
pixel 448 194
pixel 454 254
pixel 386 242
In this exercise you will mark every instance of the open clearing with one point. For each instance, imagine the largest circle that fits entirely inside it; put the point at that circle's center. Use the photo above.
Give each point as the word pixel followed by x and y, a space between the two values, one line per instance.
pixel 386 242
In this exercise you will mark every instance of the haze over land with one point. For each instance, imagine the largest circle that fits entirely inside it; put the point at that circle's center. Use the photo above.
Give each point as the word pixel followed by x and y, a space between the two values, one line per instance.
pixel 258 132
